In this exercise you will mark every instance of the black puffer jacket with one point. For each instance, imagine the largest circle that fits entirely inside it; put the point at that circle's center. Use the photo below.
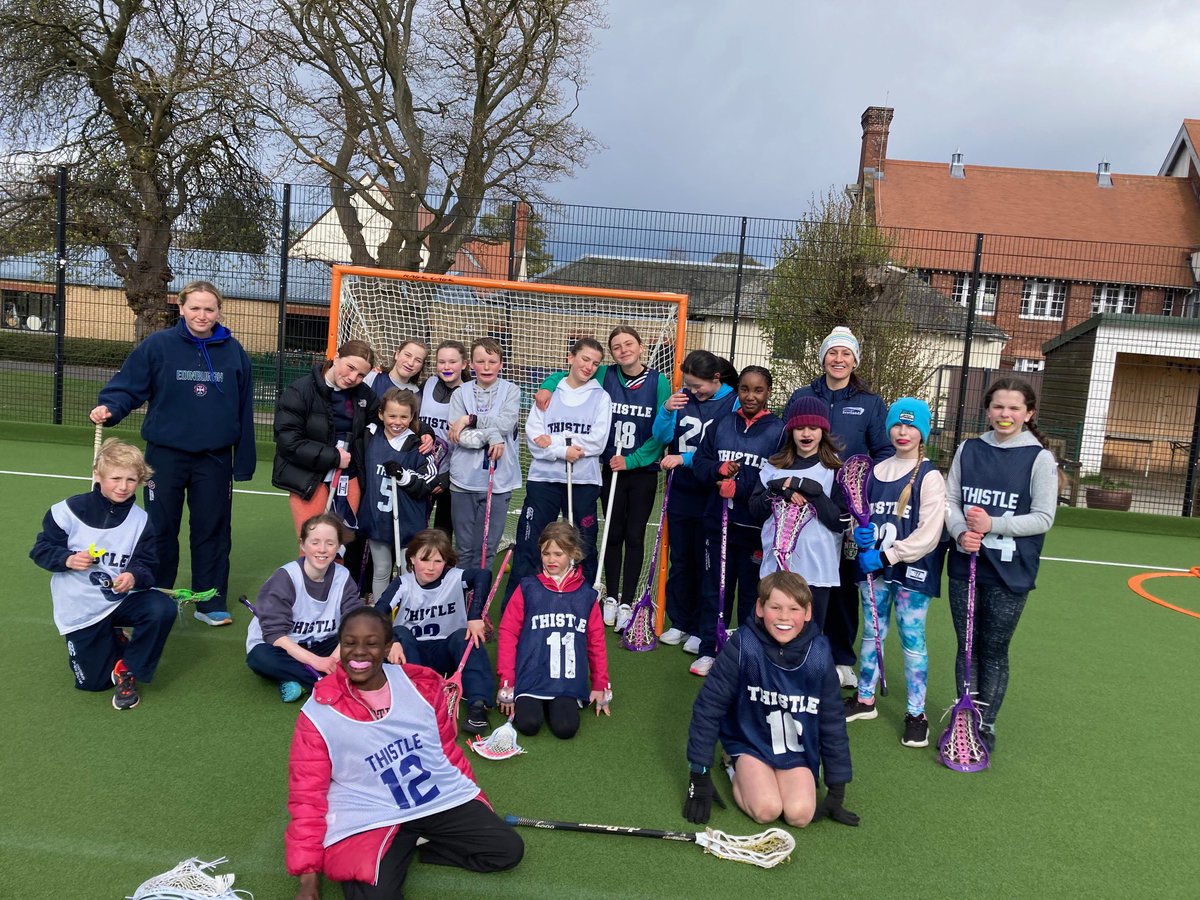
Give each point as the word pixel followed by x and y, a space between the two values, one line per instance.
pixel 305 441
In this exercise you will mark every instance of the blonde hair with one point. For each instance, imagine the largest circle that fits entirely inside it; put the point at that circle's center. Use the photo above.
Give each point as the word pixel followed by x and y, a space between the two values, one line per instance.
pixel 566 536
pixel 906 491
pixel 195 287
pixel 116 454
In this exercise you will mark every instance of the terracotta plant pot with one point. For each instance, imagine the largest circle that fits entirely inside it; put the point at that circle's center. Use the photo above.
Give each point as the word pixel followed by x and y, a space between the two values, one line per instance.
pixel 1119 499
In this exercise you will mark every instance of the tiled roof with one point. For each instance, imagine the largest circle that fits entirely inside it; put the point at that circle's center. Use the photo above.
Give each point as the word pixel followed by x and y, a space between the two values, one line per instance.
pixel 1043 223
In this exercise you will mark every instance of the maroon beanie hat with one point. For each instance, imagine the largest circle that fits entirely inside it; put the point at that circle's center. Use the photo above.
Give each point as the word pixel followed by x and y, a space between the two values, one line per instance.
pixel 809 411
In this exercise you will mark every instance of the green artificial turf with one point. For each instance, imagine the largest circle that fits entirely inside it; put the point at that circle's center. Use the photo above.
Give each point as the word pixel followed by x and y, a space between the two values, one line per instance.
pixel 1092 791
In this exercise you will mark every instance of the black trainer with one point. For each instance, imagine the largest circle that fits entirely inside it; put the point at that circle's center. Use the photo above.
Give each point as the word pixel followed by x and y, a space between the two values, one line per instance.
pixel 126 695
pixel 856 709
pixel 916 731
pixel 989 739
pixel 477 720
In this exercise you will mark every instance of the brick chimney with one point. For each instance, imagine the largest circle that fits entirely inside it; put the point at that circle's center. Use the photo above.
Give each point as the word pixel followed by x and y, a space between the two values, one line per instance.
pixel 875 123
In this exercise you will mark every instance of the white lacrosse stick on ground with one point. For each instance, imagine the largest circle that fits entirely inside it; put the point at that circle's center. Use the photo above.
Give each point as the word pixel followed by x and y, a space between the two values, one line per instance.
pixel 500 744
pixel 190 881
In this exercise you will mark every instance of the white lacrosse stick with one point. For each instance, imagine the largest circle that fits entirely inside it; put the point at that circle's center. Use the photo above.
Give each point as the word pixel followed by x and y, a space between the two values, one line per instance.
pixel 190 881
pixel 500 744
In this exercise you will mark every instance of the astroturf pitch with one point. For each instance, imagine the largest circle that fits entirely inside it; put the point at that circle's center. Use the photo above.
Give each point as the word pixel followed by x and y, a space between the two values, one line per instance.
pixel 1093 790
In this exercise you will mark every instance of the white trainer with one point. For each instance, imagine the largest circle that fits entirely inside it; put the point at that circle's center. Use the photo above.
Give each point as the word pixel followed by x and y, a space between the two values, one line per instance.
pixel 847 677
pixel 692 645
pixel 609 610
pixel 673 636
pixel 624 615
pixel 702 666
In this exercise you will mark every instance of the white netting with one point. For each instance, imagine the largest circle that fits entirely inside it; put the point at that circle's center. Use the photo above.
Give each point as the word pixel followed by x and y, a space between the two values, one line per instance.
pixel 534 326
pixel 766 849
pixel 190 881
pixel 500 744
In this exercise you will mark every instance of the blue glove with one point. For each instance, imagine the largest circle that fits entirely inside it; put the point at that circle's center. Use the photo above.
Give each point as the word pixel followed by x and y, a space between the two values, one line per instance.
pixel 870 561
pixel 864 536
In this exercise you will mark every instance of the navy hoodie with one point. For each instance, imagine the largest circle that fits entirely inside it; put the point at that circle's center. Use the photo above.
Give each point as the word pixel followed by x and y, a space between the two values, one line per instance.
pixel 198 393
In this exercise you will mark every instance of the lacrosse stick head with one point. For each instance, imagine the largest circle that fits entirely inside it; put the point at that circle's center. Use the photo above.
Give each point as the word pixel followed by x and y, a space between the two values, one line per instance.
pixel 853 476
pixel 453 691
pixel 183 596
pixel 766 849
pixel 190 880
pixel 639 634
pixel 961 747
pixel 500 744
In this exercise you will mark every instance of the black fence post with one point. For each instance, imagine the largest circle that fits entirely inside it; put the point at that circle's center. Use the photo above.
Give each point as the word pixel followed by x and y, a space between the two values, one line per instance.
pixel 60 297
pixel 512 242
pixel 285 240
pixel 968 338
pixel 737 290
pixel 1189 484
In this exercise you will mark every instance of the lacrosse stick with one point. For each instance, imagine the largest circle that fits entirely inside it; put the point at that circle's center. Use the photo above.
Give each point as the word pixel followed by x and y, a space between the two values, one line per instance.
pixel 790 520
pixel 500 744
pixel 397 568
pixel 97 440
pixel 454 685
pixel 853 477
pixel 961 747
pixel 722 634
pixel 639 634
pixel 254 612
pixel 190 881
pixel 570 489
pixel 766 849
pixel 487 513
pixel 182 596
pixel 598 584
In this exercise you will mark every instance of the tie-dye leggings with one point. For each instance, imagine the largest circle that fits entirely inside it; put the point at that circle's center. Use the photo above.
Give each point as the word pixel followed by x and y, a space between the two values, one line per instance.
pixel 911 607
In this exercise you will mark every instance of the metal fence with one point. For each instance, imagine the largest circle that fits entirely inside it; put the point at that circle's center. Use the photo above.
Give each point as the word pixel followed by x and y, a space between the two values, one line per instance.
pixel 1109 334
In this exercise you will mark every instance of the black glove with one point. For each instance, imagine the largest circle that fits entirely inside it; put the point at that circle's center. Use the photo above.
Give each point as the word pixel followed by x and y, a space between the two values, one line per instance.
pixel 700 797
pixel 832 806
pixel 810 488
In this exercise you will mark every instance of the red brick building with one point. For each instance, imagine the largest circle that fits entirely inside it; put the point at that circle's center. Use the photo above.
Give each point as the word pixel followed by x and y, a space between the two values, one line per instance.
pixel 1059 247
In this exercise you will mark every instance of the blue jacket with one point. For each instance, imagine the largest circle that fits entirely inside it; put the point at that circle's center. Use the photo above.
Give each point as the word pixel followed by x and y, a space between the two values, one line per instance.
pixel 197 392
pixel 856 418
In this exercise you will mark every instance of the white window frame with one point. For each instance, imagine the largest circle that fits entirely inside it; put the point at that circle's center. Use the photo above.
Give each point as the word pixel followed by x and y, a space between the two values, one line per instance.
pixel 985 294
pixel 1026 364
pixel 1043 299
pixel 1114 299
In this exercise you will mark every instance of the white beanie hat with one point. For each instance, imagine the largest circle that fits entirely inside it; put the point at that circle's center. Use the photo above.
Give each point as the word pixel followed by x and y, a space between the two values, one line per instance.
pixel 841 336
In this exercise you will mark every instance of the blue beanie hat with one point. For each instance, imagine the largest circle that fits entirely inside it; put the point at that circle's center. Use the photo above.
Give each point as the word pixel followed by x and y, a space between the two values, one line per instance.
pixel 910 411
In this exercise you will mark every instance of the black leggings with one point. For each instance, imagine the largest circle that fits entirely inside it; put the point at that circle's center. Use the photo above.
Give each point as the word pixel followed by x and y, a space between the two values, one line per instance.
pixel 633 502
pixel 562 714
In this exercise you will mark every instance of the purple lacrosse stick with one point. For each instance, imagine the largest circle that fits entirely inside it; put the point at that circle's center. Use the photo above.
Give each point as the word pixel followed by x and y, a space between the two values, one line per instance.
pixel 961 747
pixel 632 642
pixel 722 634
pixel 250 606
pixel 853 476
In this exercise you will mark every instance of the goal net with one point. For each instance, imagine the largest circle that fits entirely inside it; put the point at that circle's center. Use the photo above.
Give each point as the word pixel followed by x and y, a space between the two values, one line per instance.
pixel 535 322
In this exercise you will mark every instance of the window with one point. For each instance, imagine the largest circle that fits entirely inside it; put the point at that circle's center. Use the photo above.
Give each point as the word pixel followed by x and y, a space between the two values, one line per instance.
pixel 28 310
pixel 1114 298
pixel 306 333
pixel 1029 365
pixel 985 297
pixel 1168 307
pixel 1043 299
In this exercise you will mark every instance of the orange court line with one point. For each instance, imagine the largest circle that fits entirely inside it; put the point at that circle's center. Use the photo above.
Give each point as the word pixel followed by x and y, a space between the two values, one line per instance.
pixel 1135 585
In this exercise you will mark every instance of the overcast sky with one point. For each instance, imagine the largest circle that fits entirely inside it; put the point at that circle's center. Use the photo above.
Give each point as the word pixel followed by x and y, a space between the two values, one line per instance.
pixel 752 106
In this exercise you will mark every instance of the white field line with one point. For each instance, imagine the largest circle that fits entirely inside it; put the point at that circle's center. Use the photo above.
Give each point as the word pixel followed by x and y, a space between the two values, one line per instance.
pixel 86 478
pixel 1096 562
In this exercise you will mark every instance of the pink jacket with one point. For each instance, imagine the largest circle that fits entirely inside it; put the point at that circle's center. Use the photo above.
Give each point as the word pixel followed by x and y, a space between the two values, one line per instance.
pixel 514 617
pixel 355 858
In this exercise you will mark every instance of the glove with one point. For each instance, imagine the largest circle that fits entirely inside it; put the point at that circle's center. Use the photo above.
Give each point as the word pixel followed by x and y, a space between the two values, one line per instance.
pixel 810 488
pixel 403 476
pixel 864 536
pixel 870 561
pixel 832 806
pixel 729 469
pixel 727 488
pixel 701 796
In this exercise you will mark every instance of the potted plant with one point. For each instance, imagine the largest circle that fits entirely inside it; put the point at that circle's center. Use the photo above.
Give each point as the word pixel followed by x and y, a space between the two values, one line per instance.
pixel 1107 493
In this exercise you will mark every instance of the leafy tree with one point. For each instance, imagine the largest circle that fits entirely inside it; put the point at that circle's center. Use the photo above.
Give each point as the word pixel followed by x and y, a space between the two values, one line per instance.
pixel 142 100
pixel 496 226
pixel 418 109
pixel 835 270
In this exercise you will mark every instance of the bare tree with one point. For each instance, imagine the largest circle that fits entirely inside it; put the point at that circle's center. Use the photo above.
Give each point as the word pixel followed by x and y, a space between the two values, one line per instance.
pixel 142 100
pixel 416 110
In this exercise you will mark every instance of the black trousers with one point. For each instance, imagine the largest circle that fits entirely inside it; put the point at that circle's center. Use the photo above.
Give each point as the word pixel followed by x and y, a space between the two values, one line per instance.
pixel 562 714
pixel 626 523
pixel 841 621
pixel 470 836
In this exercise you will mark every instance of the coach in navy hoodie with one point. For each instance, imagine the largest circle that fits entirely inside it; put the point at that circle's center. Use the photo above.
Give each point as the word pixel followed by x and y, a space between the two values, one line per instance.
pixel 199 433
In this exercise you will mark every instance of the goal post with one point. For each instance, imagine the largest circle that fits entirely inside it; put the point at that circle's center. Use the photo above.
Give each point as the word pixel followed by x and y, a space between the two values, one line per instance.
pixel 534 322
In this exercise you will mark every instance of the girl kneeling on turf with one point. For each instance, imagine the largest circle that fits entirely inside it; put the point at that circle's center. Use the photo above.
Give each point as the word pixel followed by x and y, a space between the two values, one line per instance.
pixel 292 639
pixel 551 637
pixel 438 607
pixel 374 768
pixel 772 697
pixel 900 548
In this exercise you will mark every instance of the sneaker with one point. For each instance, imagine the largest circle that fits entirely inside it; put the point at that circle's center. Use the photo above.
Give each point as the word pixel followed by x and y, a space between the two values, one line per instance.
pixel 916 731
pixel 477 720
pixel 846 677
pixel 215 617
pixel 702 666
pixel 673 636
pixel 986 734
pixel 609 609
pixel 126 695
pixel 692 645
pixel 856 709
pixel 624 615
pixel 290 691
